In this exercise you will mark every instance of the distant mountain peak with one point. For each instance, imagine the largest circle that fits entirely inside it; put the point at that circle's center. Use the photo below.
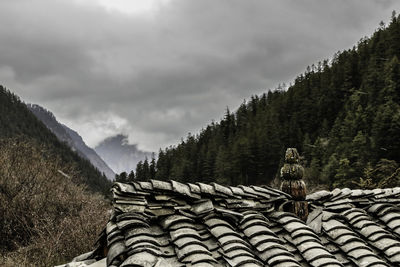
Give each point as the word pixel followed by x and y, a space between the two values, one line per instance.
pixel 121 139
pixel 119 154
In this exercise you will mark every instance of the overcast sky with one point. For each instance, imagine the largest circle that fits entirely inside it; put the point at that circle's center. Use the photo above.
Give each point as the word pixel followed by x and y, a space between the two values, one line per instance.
pixel 158 69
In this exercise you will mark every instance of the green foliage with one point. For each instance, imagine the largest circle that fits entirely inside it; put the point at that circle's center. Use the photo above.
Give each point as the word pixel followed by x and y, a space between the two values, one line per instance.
pixel 385 174
pixel 342 114
pixel 146 171
pixel 17 120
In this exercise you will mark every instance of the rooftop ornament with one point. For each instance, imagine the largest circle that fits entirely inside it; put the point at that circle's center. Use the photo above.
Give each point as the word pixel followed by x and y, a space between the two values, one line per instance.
pixel 292 183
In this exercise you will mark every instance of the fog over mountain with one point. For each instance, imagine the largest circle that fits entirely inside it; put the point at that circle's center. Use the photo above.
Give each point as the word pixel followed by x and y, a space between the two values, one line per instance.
pixel 119 154
pixel 72 138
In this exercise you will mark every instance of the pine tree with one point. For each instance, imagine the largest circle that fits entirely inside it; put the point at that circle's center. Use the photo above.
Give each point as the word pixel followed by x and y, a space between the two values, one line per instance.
pixel 146 169
pixel 122 177
pixel 152 167
pixel 131 176
pixel 140 174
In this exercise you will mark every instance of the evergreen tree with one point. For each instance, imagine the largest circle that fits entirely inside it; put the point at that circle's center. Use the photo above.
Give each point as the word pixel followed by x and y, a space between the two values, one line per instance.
pixel 131 176
pixel 152 167
pixel 122 177
pixel 146 169
pixel 140 173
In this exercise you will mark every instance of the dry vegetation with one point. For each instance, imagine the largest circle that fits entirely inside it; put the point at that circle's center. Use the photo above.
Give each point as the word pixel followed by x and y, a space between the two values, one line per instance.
pixel 46 218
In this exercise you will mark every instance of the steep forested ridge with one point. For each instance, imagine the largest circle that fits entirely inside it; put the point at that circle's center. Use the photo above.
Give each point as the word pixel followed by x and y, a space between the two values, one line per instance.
pixel 16 120
pixel 342 114
pixel 72 138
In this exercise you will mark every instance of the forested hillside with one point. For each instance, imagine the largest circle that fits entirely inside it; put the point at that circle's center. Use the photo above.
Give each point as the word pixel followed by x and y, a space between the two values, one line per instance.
pixel 16 120
pixel 342 114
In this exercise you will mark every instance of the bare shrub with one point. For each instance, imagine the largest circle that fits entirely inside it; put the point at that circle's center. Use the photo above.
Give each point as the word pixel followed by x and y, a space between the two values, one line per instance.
pixel 46 217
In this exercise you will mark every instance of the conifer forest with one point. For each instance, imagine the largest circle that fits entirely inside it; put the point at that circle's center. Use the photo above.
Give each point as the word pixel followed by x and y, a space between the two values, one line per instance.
pixel 343 114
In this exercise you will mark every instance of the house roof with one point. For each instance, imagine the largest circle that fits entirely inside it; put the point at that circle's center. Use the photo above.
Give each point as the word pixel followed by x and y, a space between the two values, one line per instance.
pixel 167 223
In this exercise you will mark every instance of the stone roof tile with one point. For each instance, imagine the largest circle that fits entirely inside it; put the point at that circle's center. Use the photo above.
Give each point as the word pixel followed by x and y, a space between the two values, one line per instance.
pixel 168 223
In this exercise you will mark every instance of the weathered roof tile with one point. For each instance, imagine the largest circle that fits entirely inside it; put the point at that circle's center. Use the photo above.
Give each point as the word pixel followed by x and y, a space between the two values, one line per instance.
pixel 223 190
pixel 168 223
pixel 161 185
pixel 202 206
pixel 183 189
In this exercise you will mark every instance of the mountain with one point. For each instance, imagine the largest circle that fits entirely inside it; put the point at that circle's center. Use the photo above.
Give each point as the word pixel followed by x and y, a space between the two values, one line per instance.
pixel 343 114
pixel 17 121
pixel 119 155
pixel 72 138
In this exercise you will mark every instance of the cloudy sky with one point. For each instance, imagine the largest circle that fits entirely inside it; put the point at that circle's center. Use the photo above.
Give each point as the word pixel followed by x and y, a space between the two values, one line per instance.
pixel 158 69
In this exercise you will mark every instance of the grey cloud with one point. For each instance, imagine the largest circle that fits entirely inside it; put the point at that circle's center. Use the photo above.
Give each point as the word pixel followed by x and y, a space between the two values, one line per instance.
pixel 158 77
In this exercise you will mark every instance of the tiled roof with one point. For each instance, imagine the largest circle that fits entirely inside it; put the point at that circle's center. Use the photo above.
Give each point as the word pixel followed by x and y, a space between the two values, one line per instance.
pixel 160 223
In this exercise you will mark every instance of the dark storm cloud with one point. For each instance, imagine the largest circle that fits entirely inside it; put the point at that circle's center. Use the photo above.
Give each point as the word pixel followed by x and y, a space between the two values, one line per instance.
pixel 158 76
